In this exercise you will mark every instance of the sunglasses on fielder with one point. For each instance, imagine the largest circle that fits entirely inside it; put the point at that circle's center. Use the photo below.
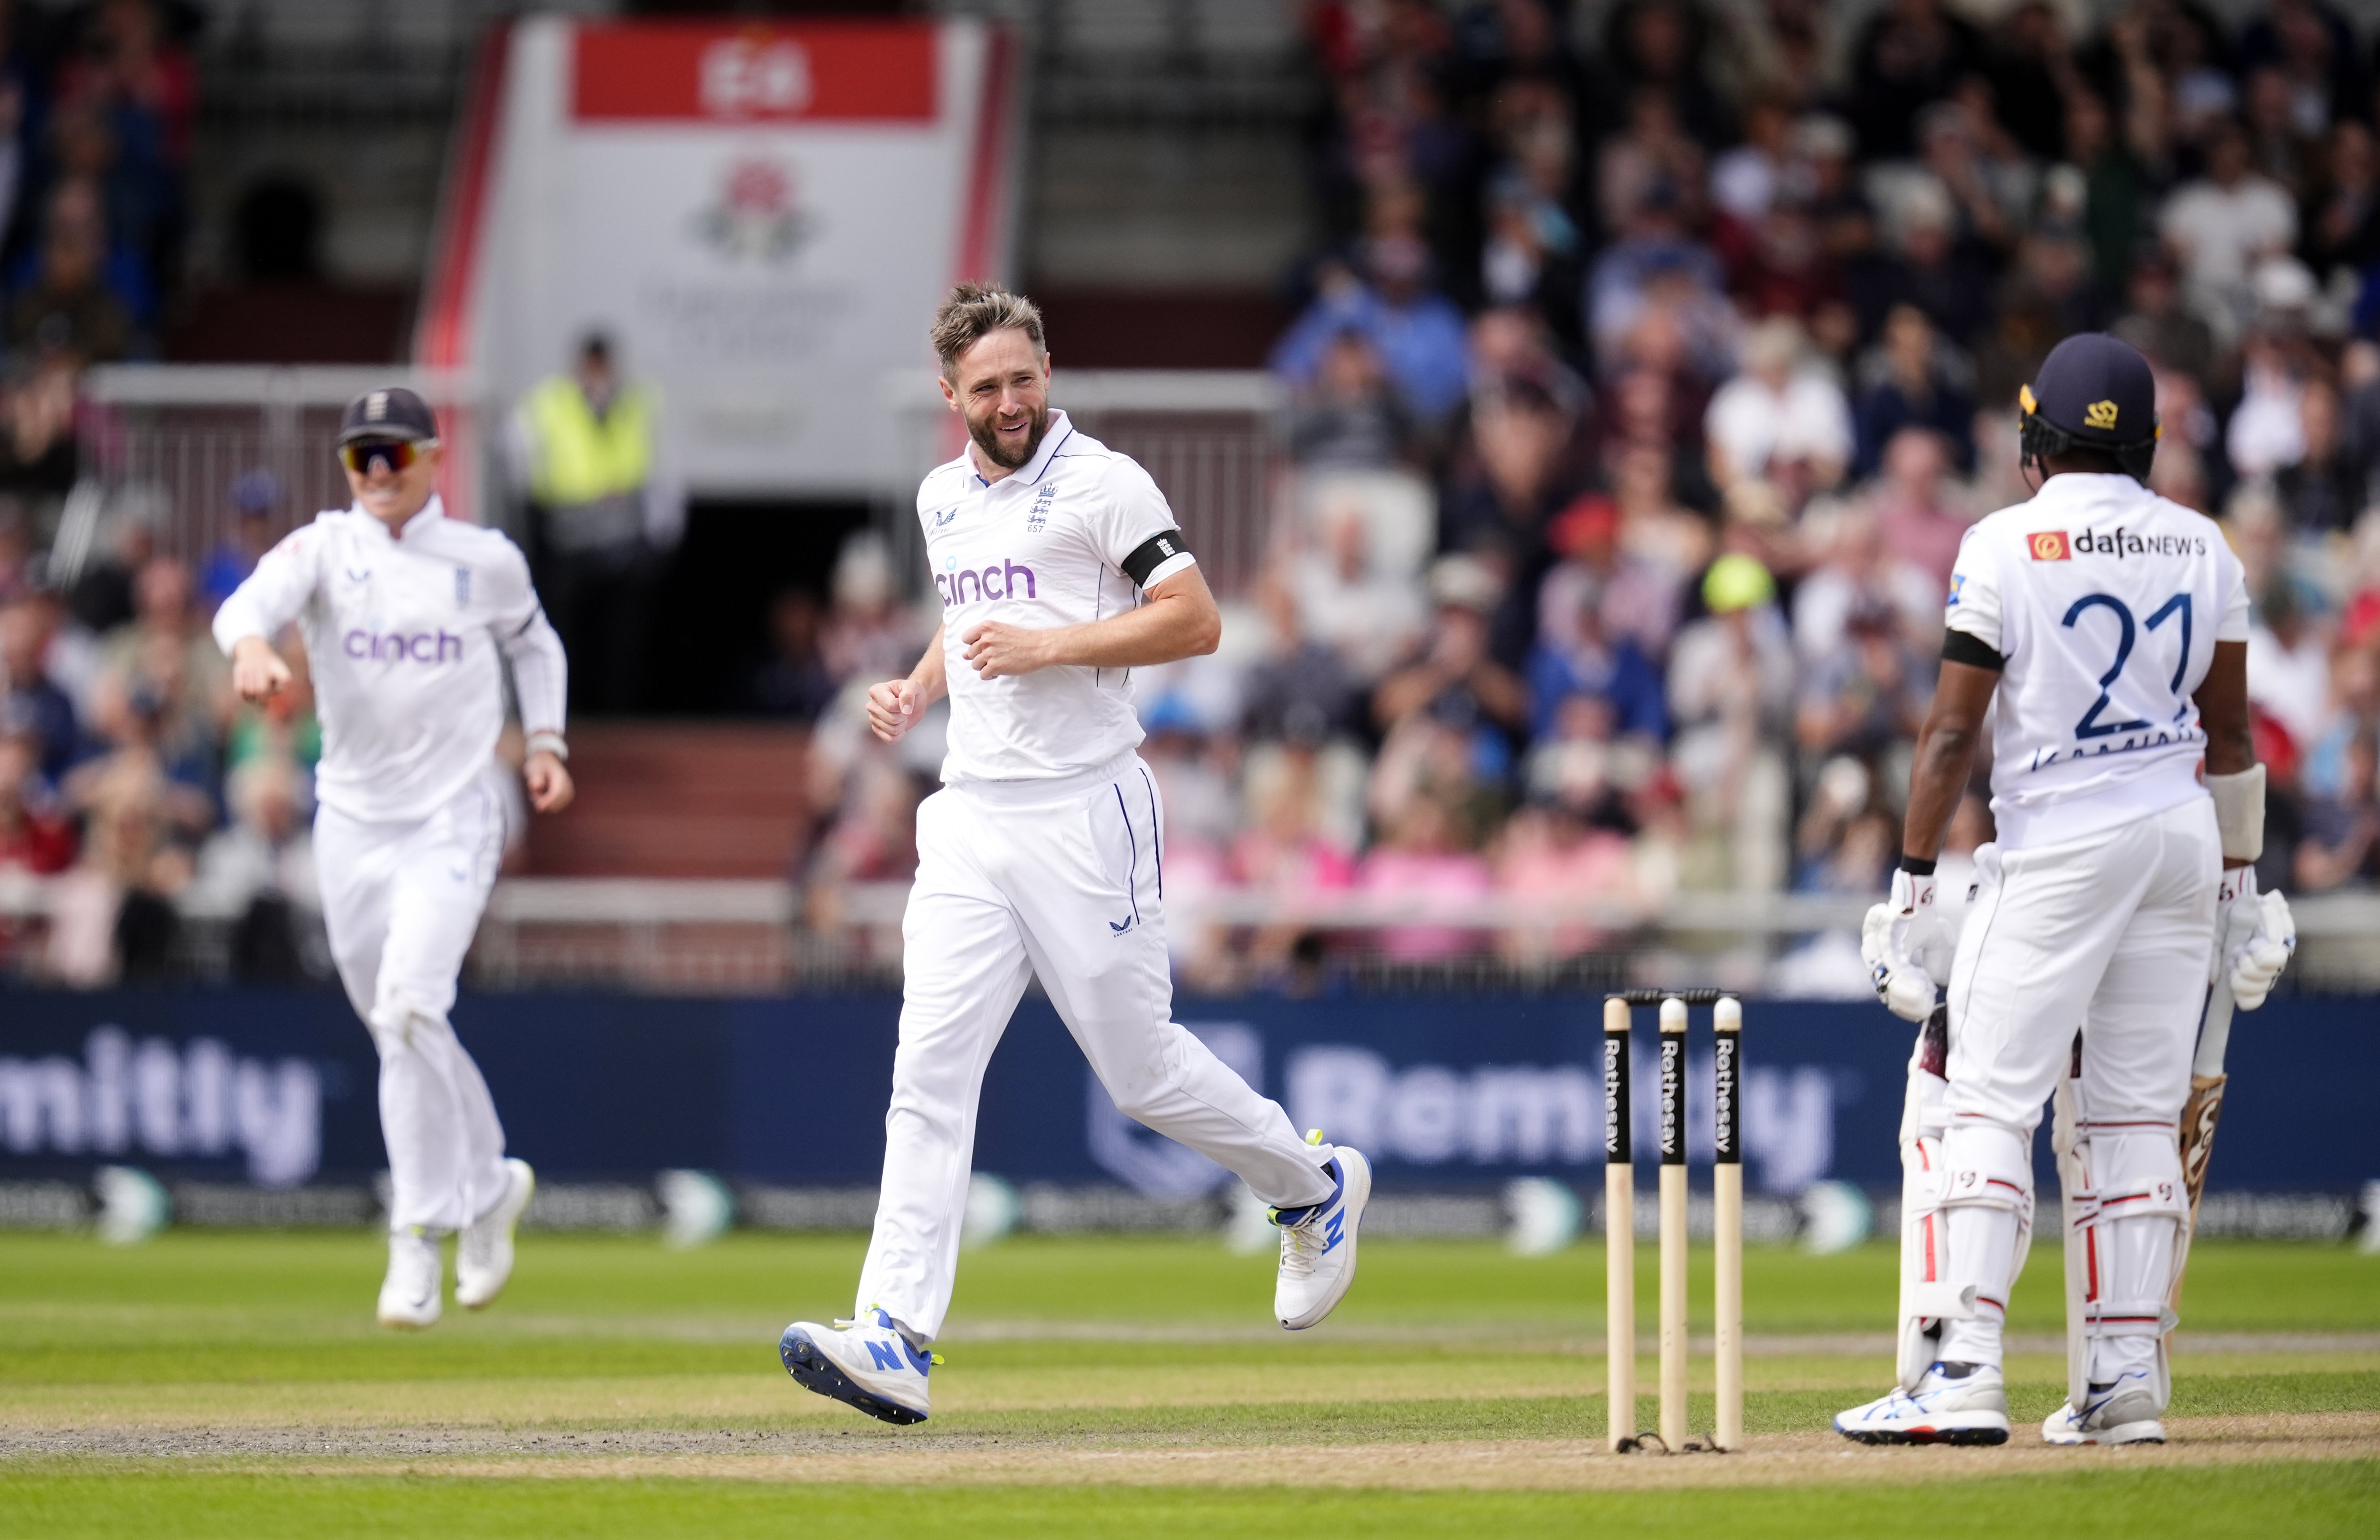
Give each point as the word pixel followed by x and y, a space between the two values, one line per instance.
pixel 396 454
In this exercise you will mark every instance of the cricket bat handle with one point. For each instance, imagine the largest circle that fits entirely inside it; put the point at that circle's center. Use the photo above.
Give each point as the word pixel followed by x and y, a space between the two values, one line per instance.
pixel 2201 1113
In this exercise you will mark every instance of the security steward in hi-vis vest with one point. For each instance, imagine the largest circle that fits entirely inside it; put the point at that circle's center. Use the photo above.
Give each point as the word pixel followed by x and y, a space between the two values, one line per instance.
pixel 586 445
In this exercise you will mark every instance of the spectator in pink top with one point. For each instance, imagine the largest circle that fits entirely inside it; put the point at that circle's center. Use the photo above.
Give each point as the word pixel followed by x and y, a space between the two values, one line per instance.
pixel 1552 855
pixel 1420 860
pixel 1913 513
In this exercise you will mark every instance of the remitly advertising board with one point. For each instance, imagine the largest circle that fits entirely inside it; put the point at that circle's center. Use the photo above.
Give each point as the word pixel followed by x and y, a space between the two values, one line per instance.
pixel 761 216
pixel 276 1087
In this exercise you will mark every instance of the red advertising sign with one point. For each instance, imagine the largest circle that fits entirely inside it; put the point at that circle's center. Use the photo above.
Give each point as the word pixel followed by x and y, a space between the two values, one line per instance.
pixel 714 72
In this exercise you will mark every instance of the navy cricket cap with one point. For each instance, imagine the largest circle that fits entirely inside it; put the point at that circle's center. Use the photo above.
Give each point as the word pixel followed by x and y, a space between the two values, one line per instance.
pixel 393 413
pixel 2097 390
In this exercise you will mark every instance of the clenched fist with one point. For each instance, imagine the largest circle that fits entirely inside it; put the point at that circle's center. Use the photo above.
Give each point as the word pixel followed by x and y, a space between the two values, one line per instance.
pixel 257 671
pixel 894 706
pixel 993 650
pixel 548 783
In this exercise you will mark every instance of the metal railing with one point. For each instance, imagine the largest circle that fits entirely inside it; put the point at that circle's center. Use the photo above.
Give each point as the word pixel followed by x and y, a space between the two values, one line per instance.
pixel 170 445
pixel 756 936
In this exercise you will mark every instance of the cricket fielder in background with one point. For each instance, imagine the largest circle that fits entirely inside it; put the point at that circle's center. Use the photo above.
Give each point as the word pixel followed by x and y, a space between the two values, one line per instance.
pixel 2112 626
pixel 1059 571
pixel 405 612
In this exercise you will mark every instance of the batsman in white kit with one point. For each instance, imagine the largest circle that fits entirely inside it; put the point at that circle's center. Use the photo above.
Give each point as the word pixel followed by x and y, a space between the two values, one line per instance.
pixel 1059 571
pixel 2115 909
pixel 405 612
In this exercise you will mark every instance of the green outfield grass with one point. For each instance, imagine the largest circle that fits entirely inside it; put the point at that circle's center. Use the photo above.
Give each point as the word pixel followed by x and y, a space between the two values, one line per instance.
pixel 1114 1345
pixel 2305 1502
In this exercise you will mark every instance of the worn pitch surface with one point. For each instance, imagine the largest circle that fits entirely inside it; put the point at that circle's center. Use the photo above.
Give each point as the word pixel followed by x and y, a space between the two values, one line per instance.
pixel 223 1384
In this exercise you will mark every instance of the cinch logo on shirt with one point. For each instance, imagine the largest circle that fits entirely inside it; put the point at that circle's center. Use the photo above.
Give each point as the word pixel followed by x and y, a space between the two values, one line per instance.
pixel 966 584
pixel 422 647
pixel 2050 545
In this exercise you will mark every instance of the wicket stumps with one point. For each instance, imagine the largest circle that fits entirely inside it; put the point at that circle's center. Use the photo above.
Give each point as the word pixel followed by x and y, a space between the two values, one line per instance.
pixel 1727 1218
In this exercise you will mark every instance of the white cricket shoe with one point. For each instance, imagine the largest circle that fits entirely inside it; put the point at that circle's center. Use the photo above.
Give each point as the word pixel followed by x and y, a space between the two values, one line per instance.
pixel 1318 1245
pixel 866 1363
pixel 1946 1408
pixel 483 1257
pixel 408 1296
pixel 2124 1412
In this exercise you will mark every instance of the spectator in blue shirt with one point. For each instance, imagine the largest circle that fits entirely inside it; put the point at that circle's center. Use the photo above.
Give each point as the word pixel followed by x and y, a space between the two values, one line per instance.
pixel 1417 333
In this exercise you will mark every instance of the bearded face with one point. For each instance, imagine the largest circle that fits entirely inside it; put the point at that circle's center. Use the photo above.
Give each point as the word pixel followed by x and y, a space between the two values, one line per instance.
pixel 1000 386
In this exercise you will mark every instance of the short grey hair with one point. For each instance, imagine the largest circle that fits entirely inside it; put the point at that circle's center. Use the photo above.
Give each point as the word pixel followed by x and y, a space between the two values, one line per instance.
pixel 976 311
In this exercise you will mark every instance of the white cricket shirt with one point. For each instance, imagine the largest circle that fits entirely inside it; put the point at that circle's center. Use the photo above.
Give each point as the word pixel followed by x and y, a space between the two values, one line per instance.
pixel 402 633
pixel 2106 601
pixel 1045 546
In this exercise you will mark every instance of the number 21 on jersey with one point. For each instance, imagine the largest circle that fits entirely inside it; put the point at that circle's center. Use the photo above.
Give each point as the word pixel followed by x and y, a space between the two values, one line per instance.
pixel 2127 633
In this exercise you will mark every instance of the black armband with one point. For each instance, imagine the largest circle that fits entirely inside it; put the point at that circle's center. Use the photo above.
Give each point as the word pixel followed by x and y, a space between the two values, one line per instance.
pixel 1915 866
pixel 1153 553
pixel 1958 647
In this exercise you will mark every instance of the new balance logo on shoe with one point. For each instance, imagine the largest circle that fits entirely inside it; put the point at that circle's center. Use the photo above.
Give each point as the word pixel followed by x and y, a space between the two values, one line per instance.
pixel 884 1355
pixel 1334 1227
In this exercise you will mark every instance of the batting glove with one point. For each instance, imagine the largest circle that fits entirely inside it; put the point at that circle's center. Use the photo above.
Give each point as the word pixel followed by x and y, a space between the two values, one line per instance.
pixel 1905 941
pixel 2254 935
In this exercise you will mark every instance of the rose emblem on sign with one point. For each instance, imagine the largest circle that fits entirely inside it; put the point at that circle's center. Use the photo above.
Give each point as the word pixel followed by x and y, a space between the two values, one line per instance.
pixel 757 213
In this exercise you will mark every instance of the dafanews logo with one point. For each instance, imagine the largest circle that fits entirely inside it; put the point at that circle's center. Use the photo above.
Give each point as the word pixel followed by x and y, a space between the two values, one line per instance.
pixel 2049 545
pixel 2120 542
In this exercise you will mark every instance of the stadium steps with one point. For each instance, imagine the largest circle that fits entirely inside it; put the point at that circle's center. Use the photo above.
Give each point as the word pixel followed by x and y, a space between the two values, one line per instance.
pixel 676 800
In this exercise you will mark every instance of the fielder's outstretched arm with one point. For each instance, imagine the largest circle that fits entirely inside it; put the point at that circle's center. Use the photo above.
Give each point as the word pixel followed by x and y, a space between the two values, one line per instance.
pixel 1946 755
pixel 1179 619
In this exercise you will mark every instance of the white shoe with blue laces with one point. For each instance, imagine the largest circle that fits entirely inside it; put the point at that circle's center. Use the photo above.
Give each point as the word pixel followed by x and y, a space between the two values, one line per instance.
pixel 2125 1412
pixel 866 1363
pixel 1318 1244
pixel 1954 1403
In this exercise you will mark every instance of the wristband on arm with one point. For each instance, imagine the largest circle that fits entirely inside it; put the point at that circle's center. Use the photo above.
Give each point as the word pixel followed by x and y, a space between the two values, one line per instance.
pixel 547 741
pixel 2239 812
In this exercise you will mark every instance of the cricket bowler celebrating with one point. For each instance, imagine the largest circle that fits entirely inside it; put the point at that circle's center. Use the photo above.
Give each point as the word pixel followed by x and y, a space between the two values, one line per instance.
pixel 1059 571
pixel 2112 628
pixel 403 611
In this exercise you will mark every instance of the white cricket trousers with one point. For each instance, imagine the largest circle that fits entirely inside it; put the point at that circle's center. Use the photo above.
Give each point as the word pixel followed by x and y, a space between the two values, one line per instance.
pixel 401 901
pixel 1064 880
pixel 2109 935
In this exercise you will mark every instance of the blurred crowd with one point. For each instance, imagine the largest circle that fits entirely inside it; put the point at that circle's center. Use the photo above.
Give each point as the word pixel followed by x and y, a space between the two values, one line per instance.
pixel 97 106
pixel 1650 373
pixel 131 774
pixel 1651 367
pixel 127 771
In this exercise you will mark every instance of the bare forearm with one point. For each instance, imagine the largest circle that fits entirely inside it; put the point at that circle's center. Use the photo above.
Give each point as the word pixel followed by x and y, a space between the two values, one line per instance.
pixel 1155 634
pixel 931 675
pixel 1946 755
pixel 1178 621
pixel 1158 632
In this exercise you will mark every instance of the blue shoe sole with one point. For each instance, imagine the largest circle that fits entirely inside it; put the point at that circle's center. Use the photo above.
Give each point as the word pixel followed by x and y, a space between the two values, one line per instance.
pixel 1927 1435
pixel 813 1370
